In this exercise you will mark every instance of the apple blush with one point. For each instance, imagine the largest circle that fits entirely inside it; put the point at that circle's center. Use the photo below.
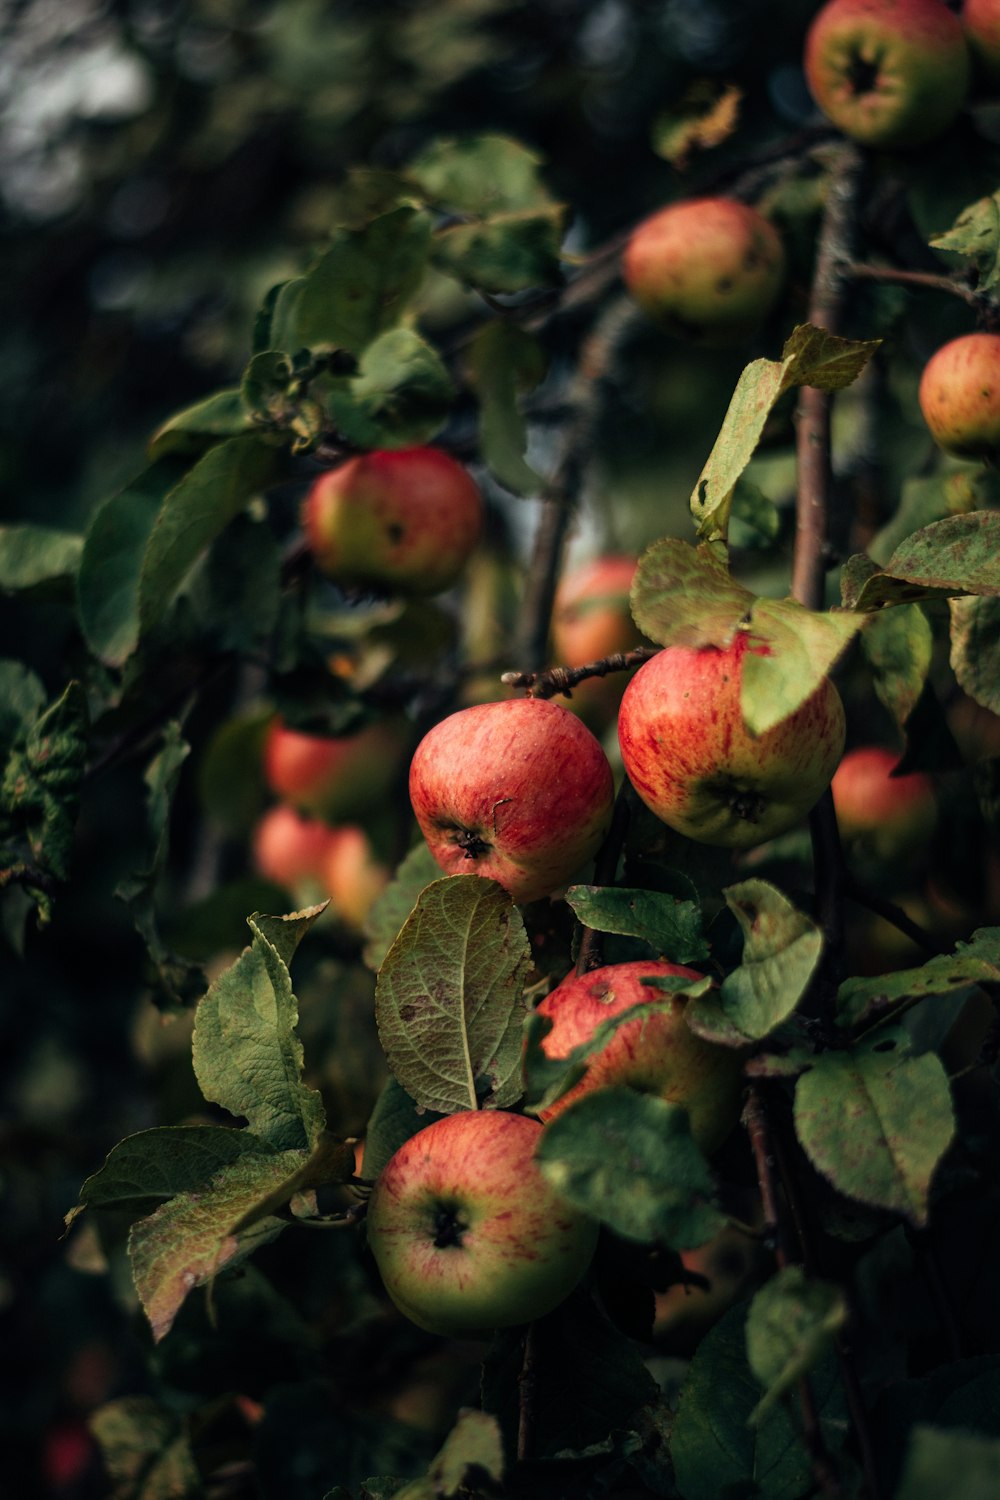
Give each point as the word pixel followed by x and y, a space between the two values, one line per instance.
pixel 518 790
pixel 959 396
pixel 695 764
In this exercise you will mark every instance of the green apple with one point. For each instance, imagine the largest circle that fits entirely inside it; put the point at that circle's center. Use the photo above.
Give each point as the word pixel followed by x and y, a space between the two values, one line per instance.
pixel 959 396
pixel 467 1234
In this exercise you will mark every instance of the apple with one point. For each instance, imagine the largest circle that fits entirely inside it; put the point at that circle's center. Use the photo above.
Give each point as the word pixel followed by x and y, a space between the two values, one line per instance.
pixel 888 72
pixel 656 1054
pixel 289 848
pixel 887 816
pixel 708 269
pixel 335 776
pixel 518 790
pixel 694 763
pixel 352 874
pixel 591 619
pixel 467 1234
pixel 959 395
pixel 981 20
pixel 404 520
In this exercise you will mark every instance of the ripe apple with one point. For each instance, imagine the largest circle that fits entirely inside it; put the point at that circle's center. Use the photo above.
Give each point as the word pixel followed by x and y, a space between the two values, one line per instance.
pixel 352 874
pixel 656 1054
pixel 467 1234
pixel 693 762
pixel 981 20
pixel 402 519
pixel 887 816
pixel 288 848
pixel 591 619
pixel 518 790
pixel 336 776
pixel 959 395
pixel 888 72
pixel 708 269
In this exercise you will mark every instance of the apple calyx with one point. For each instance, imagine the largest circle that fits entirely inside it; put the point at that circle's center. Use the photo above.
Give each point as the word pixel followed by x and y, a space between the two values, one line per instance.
pixel 449 1228
pixel 743 802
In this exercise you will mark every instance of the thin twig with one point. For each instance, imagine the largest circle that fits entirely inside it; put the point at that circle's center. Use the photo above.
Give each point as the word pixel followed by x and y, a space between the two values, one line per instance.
pixel 552 680
pixel 858 271
pixel 526 1382
pixel 893 914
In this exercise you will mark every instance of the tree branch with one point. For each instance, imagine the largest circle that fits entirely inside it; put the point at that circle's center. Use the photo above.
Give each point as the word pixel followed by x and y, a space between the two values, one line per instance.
pixel 553 680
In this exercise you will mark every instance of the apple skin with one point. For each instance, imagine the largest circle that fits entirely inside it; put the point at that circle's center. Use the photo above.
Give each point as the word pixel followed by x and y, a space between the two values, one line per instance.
pixel 656 1054
pixel 332 777
pixel 706 269
pixel 289 848
pixel 591 619
pixel 981 21
pixel 518 790
pixel 959 395
pixel 890 73
pixel 693 762
pixel 403 519
pixel 888 816
pixel 351 874
pixel 466 1232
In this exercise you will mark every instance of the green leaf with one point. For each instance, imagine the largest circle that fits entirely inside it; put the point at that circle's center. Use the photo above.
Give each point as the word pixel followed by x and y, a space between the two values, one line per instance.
pixel 38 558
pixel 40 790
pixel 193 1237
pixel 222 415
pixel 937 1461
pixel 22 698
pixel 394 1120
pixel 418 870
pixel 975 648
pixel 247 1055
pixel 933 497
pixel 976 234
pixel 113 550
pixel 146 1450
pixel 449 999
pixel 974 962
pixel 672 927
pixel 901 1122
pixel 480 174
pixel 958 555
pixel 684 596
pixel 898 644
pixel 628 1159
pixel 401 394
pixel 706 115
pixel 230 774
pixel 363 285
pixel 811 356
pixel 194 512
pixel 781 948
pixel 803 647
pixel 236 592
pixel 791 1324
pixel 504 361
pixel 507 253
pixel 472 1455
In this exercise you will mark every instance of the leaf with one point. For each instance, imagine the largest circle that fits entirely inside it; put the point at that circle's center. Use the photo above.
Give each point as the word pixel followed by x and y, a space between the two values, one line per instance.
pixel 331 1161
pixel 898 644
pixel 223 414
pixel 976 234
pixel 705 116
pixel 480 174
pixel 401 394
pixel 195 510
pixel 628 1159
pixel 958 555
pixel 672 927
pixel 472 1455
pixel 901 1122
pixel 40 790
pixel 684 596
pixel 449 998
pixel 510 252
pixel 363 285
pixel 802 647
pixel 146 1450
pixel 236 592
pixel 791 1324
pixel 113 550
pixel 781 949
pixel 936 1460
pixel 190 1239
pixel 230 772
pixel 975 648
pixel 504 361
pixel 22 698
pixel 38 557
pixel 394 1120
pixel 388 913
pixel 247 1056
pixel 811 356
pixel 974 962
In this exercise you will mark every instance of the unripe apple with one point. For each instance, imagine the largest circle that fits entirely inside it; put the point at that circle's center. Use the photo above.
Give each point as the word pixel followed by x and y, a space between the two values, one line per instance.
pixel 289 848
pixel 518 790
pixel 888 72
pixel 656 1054
pixel 467 1234
pixel 402 519
pixel 959 395
pixel 708 269
pixel 887 816
pixel 352 874
pixel 591 619
pixel 981 20
pixel 694 763
pixel 336 776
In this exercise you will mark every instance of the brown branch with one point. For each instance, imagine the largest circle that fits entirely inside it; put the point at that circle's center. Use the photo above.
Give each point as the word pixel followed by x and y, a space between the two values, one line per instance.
pixel 526 1382
pixel 855 270
pixel 893 914
pixel 552 680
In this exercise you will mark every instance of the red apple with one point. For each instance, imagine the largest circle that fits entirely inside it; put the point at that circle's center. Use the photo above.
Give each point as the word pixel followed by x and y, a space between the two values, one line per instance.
pixel 403 519
pixel 352 875
pixel 591 619
pixel 288 848
pixel 467 1234
pixel 981 20
pixel 708 269
pixel 960 395
pixel 332 776
pixel 888 816
pixel 656 1054
pixel 888 72
pixel 517 790
pixel 692 760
